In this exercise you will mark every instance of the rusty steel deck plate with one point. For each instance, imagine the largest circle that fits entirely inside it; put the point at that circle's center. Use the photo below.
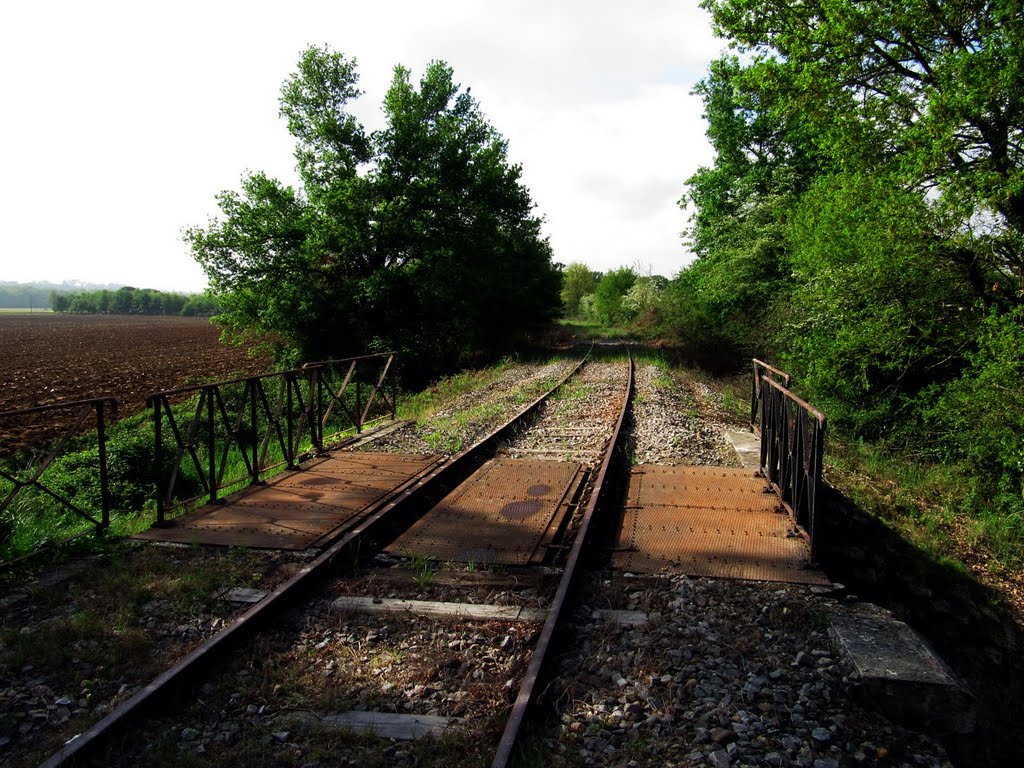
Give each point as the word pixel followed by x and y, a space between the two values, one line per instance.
pixel 501 514
pixel 299 509
pixel 710 521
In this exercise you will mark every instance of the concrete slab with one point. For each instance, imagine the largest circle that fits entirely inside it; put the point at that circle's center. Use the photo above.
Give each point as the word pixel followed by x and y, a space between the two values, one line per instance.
pixel 899 673
pixel 747 446
pixel 624 618
pixel 244 595
pixel 439 610
pixel 387 725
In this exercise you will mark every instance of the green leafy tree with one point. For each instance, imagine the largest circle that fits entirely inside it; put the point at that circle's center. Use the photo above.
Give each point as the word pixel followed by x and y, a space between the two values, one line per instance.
pixel 982 420
pixel 418 237
pixel 643 300
pixel 930 89
pixel 881 310
pixel 610 296
pixel 578 280
pixel 740 208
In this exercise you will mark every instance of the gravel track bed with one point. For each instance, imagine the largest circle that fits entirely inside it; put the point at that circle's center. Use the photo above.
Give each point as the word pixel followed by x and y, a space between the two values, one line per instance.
pixel 727 673
pixel 471 416
pixel 578 421
pixel 82 639
pixel 676 422
pixel 272 706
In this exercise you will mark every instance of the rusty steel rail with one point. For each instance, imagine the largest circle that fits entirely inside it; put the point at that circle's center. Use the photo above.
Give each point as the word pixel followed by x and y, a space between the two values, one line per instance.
pixel 172 684
pixel 792 452
pixel 32 477
pixel 565 585
pixel 762 369
pixel 266 421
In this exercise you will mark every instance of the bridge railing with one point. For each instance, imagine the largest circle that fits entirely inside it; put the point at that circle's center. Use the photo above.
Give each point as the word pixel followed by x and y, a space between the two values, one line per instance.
pixel 762 369
pixel 83 423
pixel 212 438
pixel 792 451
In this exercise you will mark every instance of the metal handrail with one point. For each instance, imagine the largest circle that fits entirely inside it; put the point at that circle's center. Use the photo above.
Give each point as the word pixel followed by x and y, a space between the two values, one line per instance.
pixel 792 452
pixel 33 474
pixel 761 369
pixel 285 413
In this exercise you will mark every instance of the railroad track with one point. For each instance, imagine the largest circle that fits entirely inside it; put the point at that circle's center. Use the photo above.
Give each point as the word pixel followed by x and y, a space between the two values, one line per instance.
pixel 399 629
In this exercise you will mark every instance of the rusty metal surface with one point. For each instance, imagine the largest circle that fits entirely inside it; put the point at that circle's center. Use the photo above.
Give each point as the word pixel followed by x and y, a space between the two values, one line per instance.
pixel 710 521
pixel 500 515
pixel 298 509
pixel 507 745
pixel 792 452
pixel 262 422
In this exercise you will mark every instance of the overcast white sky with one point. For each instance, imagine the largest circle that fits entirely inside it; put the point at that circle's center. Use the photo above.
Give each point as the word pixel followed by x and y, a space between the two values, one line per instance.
pixel 121 121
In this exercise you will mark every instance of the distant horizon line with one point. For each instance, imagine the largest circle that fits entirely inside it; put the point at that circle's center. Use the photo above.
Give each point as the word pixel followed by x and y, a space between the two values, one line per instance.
pixel 76 284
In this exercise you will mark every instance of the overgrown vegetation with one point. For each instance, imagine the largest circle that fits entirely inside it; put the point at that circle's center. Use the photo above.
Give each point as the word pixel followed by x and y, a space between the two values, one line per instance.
pixel 863 225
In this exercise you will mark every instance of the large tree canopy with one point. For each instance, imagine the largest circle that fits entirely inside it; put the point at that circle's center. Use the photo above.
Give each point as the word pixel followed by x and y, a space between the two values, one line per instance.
pixel 932 88
pixel 863 221
pixel 419 236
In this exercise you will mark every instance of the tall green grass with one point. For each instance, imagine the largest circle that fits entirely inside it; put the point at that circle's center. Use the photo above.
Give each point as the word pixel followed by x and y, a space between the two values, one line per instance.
pixel 933 504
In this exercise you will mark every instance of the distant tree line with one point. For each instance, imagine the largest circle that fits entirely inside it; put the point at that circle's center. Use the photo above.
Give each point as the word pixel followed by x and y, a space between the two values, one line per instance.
pixel 132 301
pixel 18 296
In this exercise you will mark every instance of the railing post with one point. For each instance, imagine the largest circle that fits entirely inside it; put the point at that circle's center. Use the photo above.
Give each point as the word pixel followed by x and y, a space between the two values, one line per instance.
pixel 252 383
pixel 359 407
pixel 211 443
pixel 394 392
pixel 316 426
pixel 158 461
pixel 101 438
pixel 755 386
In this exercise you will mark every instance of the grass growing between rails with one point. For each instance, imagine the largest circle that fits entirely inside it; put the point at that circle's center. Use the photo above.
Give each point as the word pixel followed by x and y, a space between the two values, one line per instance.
pixel 420 405
pixel 449 423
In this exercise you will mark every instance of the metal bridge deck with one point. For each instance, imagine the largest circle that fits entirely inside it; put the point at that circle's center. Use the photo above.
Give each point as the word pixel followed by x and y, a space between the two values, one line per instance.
pixel 505 513
pixel 302 508
pixel 710 521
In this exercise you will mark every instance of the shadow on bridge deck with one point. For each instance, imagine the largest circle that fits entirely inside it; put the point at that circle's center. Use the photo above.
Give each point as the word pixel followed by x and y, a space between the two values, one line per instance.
pixel 710 521
pixel 302 508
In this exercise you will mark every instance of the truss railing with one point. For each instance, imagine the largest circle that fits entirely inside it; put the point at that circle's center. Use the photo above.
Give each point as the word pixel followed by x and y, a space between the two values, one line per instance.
pixel 792 452
pixel 86 418
pixel 762 369
pixel 214 437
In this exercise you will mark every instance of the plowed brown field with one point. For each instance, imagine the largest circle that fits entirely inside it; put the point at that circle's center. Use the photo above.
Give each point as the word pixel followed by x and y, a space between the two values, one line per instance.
pixel 47 358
